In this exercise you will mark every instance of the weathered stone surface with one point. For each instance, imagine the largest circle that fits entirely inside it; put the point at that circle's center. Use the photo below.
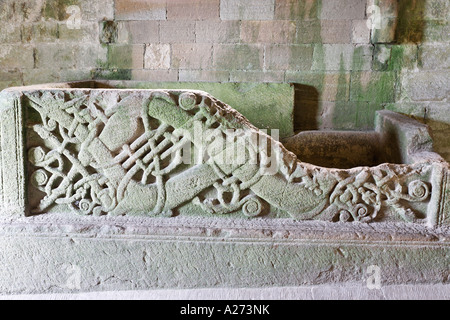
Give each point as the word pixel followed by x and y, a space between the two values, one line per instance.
pixel 54 56
pixel 256 101
pixel 296 10
pixel 245 57
pixel 373 86
pixel 157 56
pixel 425 86
pixel 434 57
pixel 395 57
pixel 193 9
pixel 142 151
pixel 137 254
pixel 111 74
pixel 360 32
pixel 247 9
pixel 386 32
pixel 140 9
pixel 217 31
pixel 331 149
pixel 12 196
pixel 284 57
pixel 336 31
pixel 36 76
pixel 138 32
pixel 341 86
pixel 154 75
pixel 437 10
pixel 126 56
pixel 346 291
pixel 16 56
pixel 13 76
pixel 437 31
pixel 268 31
pixel 88 32
pixel 63 10
pixel 308 32
pixel 192 56
pixel 334 57
pixel 343 9
pixel 264 76
pixel 40 32
pixel 177 31
pixel 99 10
pixel 111 164
pixel 203 76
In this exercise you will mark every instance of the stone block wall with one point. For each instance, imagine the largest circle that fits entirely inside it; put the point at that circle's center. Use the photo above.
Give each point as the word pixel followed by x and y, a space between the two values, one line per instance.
pixel 347 58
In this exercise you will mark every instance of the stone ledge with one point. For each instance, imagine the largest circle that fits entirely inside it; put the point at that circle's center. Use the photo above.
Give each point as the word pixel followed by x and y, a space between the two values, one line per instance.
pixel 287 231
pixel 40 253
pixel 333 292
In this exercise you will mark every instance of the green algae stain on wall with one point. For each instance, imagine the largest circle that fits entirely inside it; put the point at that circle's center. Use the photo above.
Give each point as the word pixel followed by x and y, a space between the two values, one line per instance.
pixel 376 89
pixel 118 66
pixel 56 9
pixel 111 74
pixel 370 91
pixel 297 10
pixel 345 113
pixel 266 105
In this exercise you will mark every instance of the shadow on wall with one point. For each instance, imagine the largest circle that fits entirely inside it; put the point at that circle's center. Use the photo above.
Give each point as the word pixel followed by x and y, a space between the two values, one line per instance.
pixel 410 23
pixel 440 132
pixel 306 107
pixel 409 28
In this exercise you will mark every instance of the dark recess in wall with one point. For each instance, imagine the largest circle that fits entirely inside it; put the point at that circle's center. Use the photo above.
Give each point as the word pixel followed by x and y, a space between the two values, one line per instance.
pixel 306 107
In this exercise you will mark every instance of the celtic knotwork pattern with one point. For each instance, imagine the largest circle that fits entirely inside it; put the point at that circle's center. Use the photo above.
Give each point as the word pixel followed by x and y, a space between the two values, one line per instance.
pixel 90 161
pixel 86 167
pixel 66 177
pixel 84 192
pixel 153 152
pixel 361 197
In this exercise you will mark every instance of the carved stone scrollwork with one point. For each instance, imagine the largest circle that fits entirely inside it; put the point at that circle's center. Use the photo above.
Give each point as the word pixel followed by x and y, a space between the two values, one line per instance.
pixel 362 197
pixel 150 154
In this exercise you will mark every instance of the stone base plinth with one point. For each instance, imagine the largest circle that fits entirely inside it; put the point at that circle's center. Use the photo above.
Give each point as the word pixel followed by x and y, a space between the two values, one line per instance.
pixel 55 254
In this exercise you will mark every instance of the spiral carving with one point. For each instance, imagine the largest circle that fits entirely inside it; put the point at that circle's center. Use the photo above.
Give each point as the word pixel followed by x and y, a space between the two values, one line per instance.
pixel 418 190
pixel 187 101
pixel 345 216
pixel 252 208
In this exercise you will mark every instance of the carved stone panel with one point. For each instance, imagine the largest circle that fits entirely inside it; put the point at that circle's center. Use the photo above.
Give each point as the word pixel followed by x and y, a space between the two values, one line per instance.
pixel 163 153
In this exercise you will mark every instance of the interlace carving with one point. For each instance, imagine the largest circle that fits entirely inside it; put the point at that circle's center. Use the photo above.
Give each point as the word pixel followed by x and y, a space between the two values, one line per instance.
pixel 117 153
pixel 361 197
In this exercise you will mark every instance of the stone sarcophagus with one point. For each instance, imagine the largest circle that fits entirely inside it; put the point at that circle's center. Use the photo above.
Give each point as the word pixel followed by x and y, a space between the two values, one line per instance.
pixel 140 165
pixel 166 153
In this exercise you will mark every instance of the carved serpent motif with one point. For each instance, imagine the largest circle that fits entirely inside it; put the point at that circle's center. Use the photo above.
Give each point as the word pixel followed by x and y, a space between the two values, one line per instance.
pixel 87 165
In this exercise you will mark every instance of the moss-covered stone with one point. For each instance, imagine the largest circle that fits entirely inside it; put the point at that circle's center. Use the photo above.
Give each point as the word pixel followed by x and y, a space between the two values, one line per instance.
pixel 395 57
pixel 375 87
pixel 126 56
pixel 266 105
pixel 297 10
pixel 111 74
pixel 437 31
pixel 40 32
pixel 56 9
